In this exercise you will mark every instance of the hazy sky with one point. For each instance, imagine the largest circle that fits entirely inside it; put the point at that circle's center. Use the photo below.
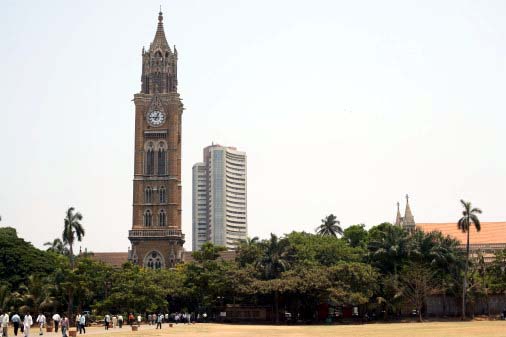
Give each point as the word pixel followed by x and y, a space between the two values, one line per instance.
pixel 342 107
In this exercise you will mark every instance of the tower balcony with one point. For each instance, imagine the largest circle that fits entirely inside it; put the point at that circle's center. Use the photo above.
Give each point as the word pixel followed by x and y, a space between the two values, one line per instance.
pixel 155 234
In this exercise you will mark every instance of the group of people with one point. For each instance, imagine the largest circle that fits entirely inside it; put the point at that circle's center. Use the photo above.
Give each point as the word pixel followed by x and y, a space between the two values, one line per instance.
pixel 115 321
pixel 157 319
pixel 18 323
pixel 24 324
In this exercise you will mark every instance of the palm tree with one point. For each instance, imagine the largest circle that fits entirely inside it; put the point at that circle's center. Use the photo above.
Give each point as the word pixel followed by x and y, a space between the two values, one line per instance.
pixel 469 217
pixel 330 226
pixel 57 246
pixel 72 230
pixel 274 260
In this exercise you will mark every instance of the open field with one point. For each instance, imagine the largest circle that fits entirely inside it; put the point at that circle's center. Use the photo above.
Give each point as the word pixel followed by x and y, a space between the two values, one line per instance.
pixel 431 329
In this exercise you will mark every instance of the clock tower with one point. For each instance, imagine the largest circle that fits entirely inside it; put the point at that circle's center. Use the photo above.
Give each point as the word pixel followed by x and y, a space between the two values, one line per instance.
pixel 156 237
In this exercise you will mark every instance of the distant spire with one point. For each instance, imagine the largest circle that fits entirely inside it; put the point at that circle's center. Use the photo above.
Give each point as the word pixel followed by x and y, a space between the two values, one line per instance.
pixel 409 220
pixel 398 219
pixel 160 41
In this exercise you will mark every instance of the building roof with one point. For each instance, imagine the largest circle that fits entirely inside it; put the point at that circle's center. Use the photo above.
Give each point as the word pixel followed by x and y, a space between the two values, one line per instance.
pixel 228 255
pixel 491 232
pixel 115 259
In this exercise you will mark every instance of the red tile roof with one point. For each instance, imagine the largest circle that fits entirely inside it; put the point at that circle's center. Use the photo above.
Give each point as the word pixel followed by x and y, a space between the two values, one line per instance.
pixel 115 259
pixel 491 232
pixel 228 255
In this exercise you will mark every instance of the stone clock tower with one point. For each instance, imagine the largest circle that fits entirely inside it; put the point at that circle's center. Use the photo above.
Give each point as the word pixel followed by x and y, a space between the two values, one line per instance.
pixel 156 237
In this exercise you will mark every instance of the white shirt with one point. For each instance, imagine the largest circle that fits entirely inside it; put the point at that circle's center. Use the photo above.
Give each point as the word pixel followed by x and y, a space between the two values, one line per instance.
pixel 28 321
pixel 5 320
pixel 41 319
pixel 56 317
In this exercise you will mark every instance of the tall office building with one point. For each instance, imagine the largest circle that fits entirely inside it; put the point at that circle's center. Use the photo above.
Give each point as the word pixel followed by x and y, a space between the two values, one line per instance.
pixel 220 198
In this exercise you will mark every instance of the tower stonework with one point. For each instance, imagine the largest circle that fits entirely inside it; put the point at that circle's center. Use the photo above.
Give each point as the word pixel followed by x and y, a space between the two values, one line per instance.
pixel 156 237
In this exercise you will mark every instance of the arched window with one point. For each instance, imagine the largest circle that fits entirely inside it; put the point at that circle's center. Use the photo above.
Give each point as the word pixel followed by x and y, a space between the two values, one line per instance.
pixel 162 155
pixel 148 195
pixel 153 260
pixel 150 160
pixel 162 218
pixel 148 217
pixel 163 195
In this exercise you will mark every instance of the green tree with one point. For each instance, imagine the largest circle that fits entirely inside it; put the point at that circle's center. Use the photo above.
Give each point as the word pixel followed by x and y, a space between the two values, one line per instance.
pixel 248 251
pixel 469 218
pixel 208 251
pixel 20 259
pixel 72 230
pixel 388 247
pixel 330 226
pixel 274 260
pixel 356 235
pixel 57 246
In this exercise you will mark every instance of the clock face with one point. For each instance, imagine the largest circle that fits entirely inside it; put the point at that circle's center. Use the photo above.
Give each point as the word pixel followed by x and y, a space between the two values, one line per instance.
pixel 156 118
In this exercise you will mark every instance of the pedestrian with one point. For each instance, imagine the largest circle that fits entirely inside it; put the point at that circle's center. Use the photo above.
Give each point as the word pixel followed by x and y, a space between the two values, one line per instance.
pixel 149 319
pixel 41 319
pixel 16 320
pixel 131 319
pixel 27 323
pixel 82 324
pixel 107 319
pixel 159 320
pixel 114 321
pixel 56 319
pixel 5 323
pixel 177 318
pixel 64 322
pixel 120 320
pixel 139 319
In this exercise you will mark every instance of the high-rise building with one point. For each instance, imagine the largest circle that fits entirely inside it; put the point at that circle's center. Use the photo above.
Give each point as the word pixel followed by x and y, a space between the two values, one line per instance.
pixel 156 237
pixel 220 198
pixel 199 206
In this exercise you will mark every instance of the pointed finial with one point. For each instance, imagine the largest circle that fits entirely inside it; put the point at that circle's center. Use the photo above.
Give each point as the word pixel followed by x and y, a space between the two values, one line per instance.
pixel 407 198
pixel 160 15
pixel 398 205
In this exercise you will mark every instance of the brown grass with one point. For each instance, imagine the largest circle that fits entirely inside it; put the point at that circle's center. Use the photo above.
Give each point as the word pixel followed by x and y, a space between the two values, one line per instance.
pixel 428 329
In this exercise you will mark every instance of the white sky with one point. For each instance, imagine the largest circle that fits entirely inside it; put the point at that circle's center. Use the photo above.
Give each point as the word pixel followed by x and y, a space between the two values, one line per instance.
pixel 341 106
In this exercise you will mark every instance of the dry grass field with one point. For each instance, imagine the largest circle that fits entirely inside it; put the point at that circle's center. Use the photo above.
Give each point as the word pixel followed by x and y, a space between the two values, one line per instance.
pixel 430 329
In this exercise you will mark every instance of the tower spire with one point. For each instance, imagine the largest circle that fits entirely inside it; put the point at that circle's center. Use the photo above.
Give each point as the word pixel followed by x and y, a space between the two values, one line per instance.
pixel 398 219
pixel 409 220
pixel 160 41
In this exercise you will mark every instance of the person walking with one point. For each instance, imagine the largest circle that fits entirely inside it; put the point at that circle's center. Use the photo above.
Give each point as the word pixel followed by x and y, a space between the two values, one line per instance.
pixel 5 323
pixel 41 319
pixel 82 324
pixel 64 322
pixel 16 320
pixel 159 320
pixel 120 320
pixel 139 320
pixel 131 319
pixel 114 321
pixel 27 323
pixel 56 320
pixel 107 319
